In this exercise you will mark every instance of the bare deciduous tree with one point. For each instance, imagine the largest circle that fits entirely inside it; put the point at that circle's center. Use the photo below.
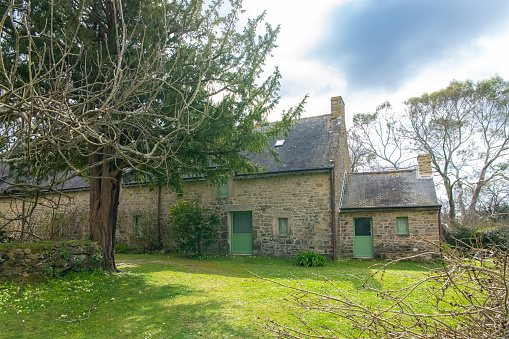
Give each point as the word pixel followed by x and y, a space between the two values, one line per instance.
pixel 379 137
pixel 464 128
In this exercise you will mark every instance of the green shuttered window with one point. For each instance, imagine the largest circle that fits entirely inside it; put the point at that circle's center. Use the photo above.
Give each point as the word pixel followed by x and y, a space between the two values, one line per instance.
pixel 222 191
pixel 282 226
pixel 402 225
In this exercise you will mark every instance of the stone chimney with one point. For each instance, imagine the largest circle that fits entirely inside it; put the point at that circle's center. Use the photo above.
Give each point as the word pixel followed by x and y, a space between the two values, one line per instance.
pixel 339 144
pixel 337 108
pixel 424 165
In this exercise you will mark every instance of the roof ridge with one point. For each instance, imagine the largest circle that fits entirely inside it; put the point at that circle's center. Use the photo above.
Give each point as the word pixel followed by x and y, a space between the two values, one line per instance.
pixel 384 172
pixel 313 117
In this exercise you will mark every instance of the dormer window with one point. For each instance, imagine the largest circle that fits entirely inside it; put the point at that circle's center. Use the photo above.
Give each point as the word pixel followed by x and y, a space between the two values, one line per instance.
pixel 279 143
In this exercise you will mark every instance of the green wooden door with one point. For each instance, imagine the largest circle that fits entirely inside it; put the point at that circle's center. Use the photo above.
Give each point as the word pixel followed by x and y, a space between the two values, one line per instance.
pixel 363 238
pixel 242 233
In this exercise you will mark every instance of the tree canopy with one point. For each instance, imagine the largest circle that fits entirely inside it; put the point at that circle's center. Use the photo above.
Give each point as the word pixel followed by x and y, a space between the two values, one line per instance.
pixel 465 129
pixel 95 88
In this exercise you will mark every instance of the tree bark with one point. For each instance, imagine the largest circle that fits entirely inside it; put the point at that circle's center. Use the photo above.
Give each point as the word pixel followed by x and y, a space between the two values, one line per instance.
pixel 452 208
pixel 469 215
pixel 105 181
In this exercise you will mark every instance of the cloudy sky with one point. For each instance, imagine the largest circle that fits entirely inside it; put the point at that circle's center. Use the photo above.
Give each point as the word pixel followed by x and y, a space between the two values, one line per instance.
pixel 369 51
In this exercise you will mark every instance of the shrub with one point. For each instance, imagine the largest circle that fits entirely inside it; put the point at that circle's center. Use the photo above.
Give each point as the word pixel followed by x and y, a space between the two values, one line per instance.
pixel 121 248
pixel 466 237
pixel 141 231
pixel 310 258
pixel 192 226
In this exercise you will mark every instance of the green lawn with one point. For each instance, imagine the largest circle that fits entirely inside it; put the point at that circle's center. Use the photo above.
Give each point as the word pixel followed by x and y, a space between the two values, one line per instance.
pixel 161 296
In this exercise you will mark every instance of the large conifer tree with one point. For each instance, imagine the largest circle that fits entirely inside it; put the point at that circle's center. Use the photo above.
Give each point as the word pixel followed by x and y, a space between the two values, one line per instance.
pixel 97 87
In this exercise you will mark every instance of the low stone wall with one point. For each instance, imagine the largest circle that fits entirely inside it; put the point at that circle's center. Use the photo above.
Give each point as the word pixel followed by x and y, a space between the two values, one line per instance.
pixel 42 261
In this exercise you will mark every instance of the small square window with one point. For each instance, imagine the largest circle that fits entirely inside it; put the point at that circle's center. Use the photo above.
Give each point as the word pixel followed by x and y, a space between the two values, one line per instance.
pixel 402 225
pixel 282 226
pixel 222 190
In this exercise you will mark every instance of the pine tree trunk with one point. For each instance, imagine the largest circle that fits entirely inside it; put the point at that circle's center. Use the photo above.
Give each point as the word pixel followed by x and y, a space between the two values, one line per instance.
pixel 105 181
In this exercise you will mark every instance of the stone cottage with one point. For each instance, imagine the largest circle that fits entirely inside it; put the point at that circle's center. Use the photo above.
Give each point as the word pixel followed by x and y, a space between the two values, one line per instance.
pixel 303 202
pixel 389 214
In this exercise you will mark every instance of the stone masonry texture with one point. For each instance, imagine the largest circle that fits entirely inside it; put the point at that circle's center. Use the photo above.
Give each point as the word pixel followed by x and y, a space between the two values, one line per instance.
pixel 423 233
pixel 302 198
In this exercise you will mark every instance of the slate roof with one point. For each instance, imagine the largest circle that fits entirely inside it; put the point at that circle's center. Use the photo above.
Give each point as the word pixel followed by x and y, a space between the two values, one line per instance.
pixel 75 183
pixel 307 147
pixel 385 190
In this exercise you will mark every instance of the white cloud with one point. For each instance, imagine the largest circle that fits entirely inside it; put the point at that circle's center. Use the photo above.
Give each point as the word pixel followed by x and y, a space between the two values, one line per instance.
pixel 304 23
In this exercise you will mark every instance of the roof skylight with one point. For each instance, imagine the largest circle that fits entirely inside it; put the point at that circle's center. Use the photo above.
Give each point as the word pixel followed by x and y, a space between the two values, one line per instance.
pixel 279 143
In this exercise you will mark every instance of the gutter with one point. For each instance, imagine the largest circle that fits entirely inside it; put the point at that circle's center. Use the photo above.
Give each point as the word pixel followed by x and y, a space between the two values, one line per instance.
pixel 276 173
pixel 440 228
pixel 391 208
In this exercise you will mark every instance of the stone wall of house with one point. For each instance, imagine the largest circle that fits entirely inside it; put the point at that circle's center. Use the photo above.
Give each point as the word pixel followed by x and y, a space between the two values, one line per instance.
pixel 55 217
pixel 33 262
pixel 422 226
pixel 302 198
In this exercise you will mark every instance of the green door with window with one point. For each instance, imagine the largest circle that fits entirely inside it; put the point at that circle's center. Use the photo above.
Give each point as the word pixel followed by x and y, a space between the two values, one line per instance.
pixel 363 238
pixel 242 233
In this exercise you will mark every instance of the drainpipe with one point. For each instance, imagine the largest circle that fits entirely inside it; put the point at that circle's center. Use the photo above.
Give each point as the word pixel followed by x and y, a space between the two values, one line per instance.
pixel 440 230
pixel 159 217
pixel 22 221
pixel 333 211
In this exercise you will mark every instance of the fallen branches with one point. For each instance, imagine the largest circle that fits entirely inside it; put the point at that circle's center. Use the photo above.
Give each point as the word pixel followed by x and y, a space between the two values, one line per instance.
pixel 64 318
pixel 468 298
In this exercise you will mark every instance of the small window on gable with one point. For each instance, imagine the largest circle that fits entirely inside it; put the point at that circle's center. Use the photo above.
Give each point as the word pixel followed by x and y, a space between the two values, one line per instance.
pixel 279 143
pixel 138 225
pixel 282 226
pixel 222 190
pixel 402 225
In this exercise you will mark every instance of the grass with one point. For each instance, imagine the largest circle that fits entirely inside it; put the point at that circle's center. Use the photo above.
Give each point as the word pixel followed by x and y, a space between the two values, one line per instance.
pixel 160 296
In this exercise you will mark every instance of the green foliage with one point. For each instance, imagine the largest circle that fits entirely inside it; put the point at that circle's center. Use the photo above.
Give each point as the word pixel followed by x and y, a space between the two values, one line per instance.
pixel 78 264
pixel 140 232
pixel 310 259
pixel 192 226
pixel 121 248
pixel 64 254
pixel 48 270
pixel 187 62
pixel 467 237
pixel 95 258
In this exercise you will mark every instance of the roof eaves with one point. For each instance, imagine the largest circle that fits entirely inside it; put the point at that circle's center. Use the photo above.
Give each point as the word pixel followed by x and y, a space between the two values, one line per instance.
pixel 354 209
pixel 277 173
